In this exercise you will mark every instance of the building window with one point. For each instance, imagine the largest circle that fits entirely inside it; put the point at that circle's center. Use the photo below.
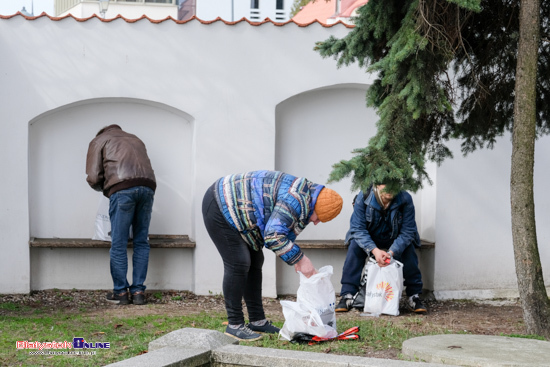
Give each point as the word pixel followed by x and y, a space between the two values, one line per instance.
pixel 280 4
pixel 254 4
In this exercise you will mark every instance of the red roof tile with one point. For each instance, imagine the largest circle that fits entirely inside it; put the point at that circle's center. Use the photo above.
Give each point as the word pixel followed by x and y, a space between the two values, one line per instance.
pixel 319 10
pixel 194 18
pixel 350 6
pixel 322 10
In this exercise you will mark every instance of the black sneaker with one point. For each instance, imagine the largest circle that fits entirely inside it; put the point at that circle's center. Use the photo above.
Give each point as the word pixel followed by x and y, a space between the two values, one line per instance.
pixel 138 298
pixel 345 303
pixel 416 305
pixel 118 298
pixel 243 333
pixel 267 328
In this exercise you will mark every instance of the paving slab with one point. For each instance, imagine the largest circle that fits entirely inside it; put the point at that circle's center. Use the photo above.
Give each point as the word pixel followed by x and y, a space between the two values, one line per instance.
pixel 244 356
pixel 478 350
pixel 169 357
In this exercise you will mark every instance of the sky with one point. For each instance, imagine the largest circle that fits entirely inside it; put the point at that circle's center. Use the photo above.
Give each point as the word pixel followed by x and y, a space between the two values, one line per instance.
pixel 9 7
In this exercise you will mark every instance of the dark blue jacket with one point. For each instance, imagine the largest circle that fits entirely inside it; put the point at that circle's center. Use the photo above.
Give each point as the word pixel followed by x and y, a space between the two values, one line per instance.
pixel 394 231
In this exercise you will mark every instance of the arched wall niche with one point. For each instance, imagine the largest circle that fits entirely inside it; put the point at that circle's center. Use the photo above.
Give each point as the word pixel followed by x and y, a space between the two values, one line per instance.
pixel 61 202
pixel 316 129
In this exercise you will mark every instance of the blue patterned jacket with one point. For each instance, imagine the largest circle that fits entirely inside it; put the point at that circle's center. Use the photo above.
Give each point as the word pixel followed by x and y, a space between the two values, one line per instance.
pixel 268 208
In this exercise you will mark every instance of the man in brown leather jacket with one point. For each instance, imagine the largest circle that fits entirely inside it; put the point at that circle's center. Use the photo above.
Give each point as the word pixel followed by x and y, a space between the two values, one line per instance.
pixel 117 164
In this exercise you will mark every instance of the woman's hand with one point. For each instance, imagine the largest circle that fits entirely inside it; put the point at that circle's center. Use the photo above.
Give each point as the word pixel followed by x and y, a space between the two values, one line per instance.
pixel 305 267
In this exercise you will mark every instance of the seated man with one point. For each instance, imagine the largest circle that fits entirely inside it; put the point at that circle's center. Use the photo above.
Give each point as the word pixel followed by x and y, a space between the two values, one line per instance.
pixel 384 226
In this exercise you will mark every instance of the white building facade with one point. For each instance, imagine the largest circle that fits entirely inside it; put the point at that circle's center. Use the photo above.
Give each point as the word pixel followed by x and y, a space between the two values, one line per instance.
pixel 253 10
pixel 206 106
pixel 129 9
pixel 228 10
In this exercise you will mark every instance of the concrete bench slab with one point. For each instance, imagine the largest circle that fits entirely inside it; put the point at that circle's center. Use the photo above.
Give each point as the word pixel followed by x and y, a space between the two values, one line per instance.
pixel 190 338
pixel 478 350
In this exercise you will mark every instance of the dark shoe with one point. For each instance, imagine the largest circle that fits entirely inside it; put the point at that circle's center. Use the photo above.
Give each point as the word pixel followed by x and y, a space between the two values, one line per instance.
pixel 138 298
pixel 243 333
pixel 118 298
pixel 267 328
pixel 345 303
pixel 416 305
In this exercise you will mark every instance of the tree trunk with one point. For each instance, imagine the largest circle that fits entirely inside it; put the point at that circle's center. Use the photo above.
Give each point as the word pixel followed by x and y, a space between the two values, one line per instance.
pixel 532 292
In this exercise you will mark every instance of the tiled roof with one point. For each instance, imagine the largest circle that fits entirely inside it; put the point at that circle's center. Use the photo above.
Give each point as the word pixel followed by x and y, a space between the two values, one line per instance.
pixel 353 4
pixel 194 18
pixel 321 10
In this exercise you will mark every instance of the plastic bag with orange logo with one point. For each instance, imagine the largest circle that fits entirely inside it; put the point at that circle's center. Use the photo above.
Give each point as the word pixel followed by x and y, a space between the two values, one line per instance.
pixel 384 288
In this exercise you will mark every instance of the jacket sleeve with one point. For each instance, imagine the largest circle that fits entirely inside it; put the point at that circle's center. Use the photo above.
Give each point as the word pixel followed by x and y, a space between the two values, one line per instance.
pixel 278 233
pixel 358 225
pixel 408 233
pixel 94 166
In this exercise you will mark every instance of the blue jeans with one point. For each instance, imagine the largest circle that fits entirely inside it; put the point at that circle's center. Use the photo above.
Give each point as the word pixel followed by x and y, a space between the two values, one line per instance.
pixel 130 207
pixel 355 262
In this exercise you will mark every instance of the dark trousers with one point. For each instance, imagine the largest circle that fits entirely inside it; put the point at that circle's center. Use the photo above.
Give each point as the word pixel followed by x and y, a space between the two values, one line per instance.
pixel 355 262
pixel 242 276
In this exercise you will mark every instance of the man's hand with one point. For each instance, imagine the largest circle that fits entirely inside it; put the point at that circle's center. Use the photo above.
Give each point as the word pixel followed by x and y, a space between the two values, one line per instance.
pixel 305 267
pixel 382 257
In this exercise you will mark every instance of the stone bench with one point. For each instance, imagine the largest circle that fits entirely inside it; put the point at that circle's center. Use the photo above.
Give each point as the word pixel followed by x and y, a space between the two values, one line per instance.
pixel 335 251
pixel 339 244
pixel 179 241
pixel 155 241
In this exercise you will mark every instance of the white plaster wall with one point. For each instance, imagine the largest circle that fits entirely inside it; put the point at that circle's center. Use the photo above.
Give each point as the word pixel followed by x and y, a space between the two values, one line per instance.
pixel 88 268
pixel 474 252
pixel 53 68
pixel 233 110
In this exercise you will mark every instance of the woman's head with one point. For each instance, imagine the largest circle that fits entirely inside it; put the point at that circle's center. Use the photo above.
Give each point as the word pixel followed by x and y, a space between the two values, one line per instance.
pixel 328 206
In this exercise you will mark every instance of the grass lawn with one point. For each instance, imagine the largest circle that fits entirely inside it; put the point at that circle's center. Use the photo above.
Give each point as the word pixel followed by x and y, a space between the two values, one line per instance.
pixel 59 316
pixel 130 335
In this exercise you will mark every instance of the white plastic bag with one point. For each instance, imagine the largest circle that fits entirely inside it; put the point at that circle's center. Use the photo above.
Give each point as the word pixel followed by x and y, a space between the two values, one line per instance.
pixel 313 312
pixel 103 222
pixel 302 318
pixel 384 288
pixel 317 291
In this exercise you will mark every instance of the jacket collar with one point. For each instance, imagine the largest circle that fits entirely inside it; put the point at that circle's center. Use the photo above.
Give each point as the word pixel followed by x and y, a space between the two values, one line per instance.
pixel 314 190
pixel 395 203
pixel 107 128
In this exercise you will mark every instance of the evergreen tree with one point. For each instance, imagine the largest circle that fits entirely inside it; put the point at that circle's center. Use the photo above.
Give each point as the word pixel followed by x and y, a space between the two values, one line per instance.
pixel 411 45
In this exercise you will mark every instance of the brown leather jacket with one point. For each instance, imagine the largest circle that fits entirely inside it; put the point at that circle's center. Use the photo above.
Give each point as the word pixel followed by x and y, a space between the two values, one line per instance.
pixel 117 160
